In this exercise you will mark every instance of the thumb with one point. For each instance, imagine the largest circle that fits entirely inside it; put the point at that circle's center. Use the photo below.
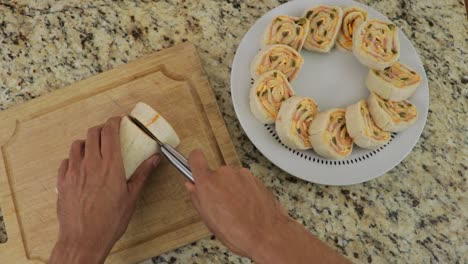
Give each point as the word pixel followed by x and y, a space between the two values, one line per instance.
pixel 139 177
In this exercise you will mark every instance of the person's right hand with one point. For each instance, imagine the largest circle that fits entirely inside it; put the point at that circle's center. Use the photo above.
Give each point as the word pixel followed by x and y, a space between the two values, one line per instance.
pixel 235 205
pixel 241 212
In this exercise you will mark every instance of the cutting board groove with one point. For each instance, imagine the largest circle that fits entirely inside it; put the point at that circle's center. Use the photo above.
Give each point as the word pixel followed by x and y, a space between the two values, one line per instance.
pixel 35 137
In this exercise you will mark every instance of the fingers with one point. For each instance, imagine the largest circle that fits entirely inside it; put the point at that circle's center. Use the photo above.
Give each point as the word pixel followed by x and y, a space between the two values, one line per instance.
pixel 110 138
pixel 76 155
pixel 61 173
pixel 93 143
pixel 138 179
pixel 193 195
pixel 198 164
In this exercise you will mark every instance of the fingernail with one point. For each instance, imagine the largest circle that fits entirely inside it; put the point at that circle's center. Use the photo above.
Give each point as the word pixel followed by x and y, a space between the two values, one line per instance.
pixel 156 160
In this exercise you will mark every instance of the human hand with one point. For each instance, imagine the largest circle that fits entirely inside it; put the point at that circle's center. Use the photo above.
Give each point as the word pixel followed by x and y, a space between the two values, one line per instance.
pixel 235 205
pixel 95 202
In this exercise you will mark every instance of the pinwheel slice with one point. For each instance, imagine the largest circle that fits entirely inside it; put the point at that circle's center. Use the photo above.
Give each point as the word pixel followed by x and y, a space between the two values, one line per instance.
pixel 376 44
pixel 395 83
pixel 353 17
pixel 135 145
pixel 362 128
pixel 287 30
pixel 329 136
pixel 293 121
pixel 277 57
pixel 267 94
pixel 390 115
pixel 325 22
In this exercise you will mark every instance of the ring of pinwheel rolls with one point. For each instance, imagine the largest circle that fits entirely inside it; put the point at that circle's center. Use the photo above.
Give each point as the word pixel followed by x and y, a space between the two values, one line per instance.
pixel 368 122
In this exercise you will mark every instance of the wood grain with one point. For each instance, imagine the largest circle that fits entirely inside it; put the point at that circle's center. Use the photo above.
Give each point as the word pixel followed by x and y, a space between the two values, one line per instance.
pixel 35 137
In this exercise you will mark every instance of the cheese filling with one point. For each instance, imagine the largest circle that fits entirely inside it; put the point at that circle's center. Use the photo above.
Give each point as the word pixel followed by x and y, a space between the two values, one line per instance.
pixel 372 130
pixel 379 40
pixel 272 91
pixel 399 112
pixel 323 23
pixel 399 75
pixel 305 113
pixel 284 60
pixel 337 134
pixel 352 18
pixel 288 31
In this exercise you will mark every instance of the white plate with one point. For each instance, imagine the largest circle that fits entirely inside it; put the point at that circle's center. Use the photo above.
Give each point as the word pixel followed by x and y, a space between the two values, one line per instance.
pixel 335 79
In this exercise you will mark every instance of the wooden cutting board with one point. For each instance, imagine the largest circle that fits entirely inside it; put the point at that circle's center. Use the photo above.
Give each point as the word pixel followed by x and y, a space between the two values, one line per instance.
pixel 36 136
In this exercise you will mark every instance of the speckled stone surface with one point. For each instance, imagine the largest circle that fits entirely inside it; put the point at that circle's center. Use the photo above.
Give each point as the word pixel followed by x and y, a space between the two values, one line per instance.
pixel 416 213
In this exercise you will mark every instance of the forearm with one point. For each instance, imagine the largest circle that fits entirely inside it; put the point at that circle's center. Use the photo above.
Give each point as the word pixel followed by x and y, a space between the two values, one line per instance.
pixel 292 243
pixel 71 253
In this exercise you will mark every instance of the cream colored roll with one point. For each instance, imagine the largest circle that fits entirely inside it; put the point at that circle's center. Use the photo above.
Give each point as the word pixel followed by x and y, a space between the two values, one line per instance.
pixel 390 115
pixel 325 22
pixel 329 136
pixel 135 145
pixel 293 121
pixel 287 30
pixel 362 128
pixel 277 57
pixel 353 17
pixel 376 44
pixel 395 83
pixel 267 94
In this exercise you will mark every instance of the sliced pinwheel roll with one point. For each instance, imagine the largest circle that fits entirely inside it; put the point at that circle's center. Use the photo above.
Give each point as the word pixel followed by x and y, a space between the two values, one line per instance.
pixel 353 17
pixel 329 136
pixel 325 22
pixel 395 83
pixel 376 44
pixel 390 115
pixel 293 121
pixel 135 145
pixel 362 128
pixel 286 30
pixel 277 57
pixel 267 94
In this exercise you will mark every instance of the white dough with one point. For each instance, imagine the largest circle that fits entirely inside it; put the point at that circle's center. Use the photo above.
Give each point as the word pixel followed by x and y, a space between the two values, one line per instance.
pixel 367 59
pixel 135 145
pixel 256 106
pixel 284 123
pixel 383 119
pixel 316 134
pixel 355 123
pixel 387 90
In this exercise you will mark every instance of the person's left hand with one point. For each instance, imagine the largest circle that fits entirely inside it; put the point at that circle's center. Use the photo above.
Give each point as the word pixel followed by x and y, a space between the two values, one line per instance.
pixel 95 202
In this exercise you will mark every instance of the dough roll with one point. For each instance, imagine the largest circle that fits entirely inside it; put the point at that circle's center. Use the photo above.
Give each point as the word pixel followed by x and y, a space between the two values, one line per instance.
pixel 362 128
pixel 329 136
pixel 277 57
pixel 267 94
pixel 286 30
pixel 353 17
pixel 325 22
pixel 390 115
pixel 376 44
pixel 135 145
pixel 395 83
pixel 293 121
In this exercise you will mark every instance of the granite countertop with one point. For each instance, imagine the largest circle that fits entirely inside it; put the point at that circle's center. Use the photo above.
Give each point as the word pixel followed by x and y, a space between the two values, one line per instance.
pixel 416 213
